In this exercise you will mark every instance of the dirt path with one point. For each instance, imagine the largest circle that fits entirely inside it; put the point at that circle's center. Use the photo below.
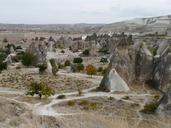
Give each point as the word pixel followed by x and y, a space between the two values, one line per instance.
pixel 47 109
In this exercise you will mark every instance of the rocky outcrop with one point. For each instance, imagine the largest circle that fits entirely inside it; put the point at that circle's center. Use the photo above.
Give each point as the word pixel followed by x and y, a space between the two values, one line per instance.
pixel 165 103
pixel 143 63
pixel 113 82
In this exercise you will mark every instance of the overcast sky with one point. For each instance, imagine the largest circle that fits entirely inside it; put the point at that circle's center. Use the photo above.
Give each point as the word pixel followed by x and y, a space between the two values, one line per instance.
pixel 79 11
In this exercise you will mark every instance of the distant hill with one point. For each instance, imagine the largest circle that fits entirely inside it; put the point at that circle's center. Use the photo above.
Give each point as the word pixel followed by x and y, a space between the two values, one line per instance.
pixel 59 28
pixel 138 25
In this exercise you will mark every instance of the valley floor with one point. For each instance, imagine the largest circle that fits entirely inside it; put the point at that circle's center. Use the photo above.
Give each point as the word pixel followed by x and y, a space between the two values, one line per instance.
pixel 91 110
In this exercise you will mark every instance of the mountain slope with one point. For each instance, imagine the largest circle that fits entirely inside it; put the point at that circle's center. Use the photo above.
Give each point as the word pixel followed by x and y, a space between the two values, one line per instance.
pixel 140 25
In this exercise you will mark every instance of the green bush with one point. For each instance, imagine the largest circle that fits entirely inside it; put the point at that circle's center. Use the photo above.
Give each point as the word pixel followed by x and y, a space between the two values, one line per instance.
pixel 28 59
pixel 88 105
pixel 104 60
pixel 150 107
pixel 67 63
pixel 60 66
pixel 126 98
pixel 42 67
pixel 40 89
pixel 62 51
pixel 54 66
pixel 71 103
pixel 5 40
pixel 61 97
pixel 77 67
pixel 78 60
pixel 3 66
pixel 100 69
pixel 86 52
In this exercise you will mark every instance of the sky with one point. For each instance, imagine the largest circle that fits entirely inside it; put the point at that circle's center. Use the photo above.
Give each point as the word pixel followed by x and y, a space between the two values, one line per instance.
pixel 79 11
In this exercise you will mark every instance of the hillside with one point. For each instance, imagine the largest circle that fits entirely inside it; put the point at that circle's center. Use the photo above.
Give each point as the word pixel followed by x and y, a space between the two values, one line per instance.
pixel 140 25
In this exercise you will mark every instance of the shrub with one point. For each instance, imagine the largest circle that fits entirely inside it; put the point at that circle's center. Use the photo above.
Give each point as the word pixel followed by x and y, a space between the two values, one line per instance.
pixel 60 66
pixel 67 63
pixel 80 67
pixel 91 70
pixel 77 67
pixel 62 51
pixel 61 97
pixel 5 40
pixel 40 89
pixel 87 105
pixel 42 67
pixel 83 102
pixel 86 52
pixel 54 66
pixel 79 88
pixel 28 59
pixel 100 69
pixel 78 60
pixel 150 108
pixel 71 103
pixel 3 65
pixel 104 71
pixel 104 60
pixel 126 98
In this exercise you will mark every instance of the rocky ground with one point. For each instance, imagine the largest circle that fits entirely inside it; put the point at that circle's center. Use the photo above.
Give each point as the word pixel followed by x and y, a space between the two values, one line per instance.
pixel 92 109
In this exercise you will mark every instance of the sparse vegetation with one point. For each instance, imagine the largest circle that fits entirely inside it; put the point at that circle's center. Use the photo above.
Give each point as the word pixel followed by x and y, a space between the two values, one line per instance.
pixel 88 105
pixel 61 97
pixel 91 70
pixel 28 59
pixel 78 60
pixel 104 60
pixel 150 108
pixel 86 52
pixel 42 67
pixel 67 63
pixel 3 65
pixel 126 98
pixel 40 89
pixel 77 67
pixel 5 40
pixel 54 66
pixel 71 103
pixel 79 88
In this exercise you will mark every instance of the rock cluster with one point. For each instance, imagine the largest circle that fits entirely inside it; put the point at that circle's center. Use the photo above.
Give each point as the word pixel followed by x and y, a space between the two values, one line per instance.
pixel 143 63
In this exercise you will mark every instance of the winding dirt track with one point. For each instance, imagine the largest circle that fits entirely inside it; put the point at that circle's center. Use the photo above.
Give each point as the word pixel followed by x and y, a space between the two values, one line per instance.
pixel 47 109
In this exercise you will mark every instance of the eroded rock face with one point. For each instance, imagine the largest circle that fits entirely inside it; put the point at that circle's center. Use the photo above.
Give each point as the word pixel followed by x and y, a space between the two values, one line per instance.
pixel 165 103
pixel 143 63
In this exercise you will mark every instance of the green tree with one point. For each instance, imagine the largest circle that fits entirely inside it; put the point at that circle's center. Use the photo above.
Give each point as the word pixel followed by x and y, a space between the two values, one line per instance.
pixel 91 70
pixel 67 63
pixel 28 59
pixel 40 89
pixel 86 52
pixel 78 60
